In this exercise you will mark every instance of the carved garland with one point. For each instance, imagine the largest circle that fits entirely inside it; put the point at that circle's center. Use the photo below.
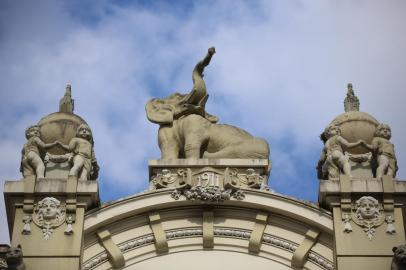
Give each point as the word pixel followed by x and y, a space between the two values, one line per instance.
pixel 267 239
pixel 210 194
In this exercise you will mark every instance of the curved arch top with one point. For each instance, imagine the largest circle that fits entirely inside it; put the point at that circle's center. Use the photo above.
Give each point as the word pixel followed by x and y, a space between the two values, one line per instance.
pixel 265 228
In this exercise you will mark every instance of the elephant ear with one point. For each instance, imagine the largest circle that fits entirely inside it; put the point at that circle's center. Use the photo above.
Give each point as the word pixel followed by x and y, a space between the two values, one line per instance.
pixel 158 112
pixel 162 111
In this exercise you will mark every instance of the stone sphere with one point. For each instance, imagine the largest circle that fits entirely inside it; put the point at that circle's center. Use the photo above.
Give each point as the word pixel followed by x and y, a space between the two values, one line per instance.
pixel 356 126
pixel 59 126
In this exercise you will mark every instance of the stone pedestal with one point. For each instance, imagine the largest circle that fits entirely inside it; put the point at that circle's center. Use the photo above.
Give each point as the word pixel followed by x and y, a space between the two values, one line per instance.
pixel 45 216
pixel 209 179
pixel 368 220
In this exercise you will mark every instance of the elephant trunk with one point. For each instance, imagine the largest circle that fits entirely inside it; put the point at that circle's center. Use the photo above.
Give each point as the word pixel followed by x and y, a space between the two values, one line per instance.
pixel 198 96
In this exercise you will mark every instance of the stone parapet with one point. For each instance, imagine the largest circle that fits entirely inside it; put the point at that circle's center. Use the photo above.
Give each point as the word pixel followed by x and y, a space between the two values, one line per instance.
pixel 209 179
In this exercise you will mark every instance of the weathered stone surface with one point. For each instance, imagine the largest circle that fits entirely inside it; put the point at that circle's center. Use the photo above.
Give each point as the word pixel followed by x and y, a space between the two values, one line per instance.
pixel 188 131
pixel 223 173
pixel 356 142
pixel 333 161
pixel 32 162
pixel 84 163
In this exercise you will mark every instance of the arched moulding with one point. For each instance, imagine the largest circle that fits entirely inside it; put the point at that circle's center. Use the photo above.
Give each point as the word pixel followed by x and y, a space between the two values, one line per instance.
pixel 181 221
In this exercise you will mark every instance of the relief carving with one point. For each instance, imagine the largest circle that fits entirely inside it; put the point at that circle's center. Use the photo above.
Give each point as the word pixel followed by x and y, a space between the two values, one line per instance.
pixel 250 178
pixel 49 214
pixel 210 193
pixel 27 225
pixel 69 228
pixel 166 178
pixel 368 215
pixel 208 187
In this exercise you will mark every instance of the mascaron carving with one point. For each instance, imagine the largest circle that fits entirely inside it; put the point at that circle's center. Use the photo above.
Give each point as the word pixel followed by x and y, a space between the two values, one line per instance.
pixel 49 214
pixel 368 215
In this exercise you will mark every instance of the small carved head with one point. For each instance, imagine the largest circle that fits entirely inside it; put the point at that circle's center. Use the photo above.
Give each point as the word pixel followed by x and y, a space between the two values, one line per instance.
pixel 84 132
pixel 383 131
pixel 14 255
pixel 32 131
pixel 49 208
pixel 331 130
pixel 367 208
pixel 399 255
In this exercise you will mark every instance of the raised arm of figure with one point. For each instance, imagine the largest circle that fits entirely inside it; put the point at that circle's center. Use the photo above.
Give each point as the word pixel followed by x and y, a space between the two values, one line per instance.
pixel 372 146
pixel 348 144
pixel 64 146
pixel 43 145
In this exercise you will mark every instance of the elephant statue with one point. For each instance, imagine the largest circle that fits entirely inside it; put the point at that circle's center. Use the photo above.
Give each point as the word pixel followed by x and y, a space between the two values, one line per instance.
pixel 188 131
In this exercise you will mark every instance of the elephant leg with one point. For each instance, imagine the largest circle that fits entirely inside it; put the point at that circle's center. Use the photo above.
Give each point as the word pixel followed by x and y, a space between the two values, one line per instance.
pixel 167 143
pixel 196 134
pixel 192 149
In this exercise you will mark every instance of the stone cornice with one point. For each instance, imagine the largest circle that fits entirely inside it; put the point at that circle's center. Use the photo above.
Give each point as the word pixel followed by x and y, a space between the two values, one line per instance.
pixel 161 199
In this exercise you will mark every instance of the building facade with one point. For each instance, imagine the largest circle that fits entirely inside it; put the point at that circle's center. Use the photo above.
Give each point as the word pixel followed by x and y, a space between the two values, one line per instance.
pixel 208 204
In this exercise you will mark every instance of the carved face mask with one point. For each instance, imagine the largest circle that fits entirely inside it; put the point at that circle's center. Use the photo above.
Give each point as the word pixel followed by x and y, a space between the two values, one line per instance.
pixel 49 210
pixel 367 209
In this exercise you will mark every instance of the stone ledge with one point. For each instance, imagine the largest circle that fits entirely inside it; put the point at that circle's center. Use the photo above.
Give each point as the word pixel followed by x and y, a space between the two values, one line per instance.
pixel 330 192
pixel 373 185
pixel 50 185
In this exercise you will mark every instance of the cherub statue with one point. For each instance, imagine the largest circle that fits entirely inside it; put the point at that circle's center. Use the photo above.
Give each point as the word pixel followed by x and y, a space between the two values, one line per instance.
pixel 384 151
pixel 332 158
pixel 84 160
pixel 31 161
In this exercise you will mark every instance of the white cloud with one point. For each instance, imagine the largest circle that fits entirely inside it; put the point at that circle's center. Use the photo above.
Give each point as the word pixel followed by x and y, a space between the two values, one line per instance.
pixel 280 72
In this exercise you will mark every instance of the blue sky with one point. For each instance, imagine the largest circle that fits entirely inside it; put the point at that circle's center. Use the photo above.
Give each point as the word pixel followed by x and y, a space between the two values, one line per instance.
pixel 280 72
